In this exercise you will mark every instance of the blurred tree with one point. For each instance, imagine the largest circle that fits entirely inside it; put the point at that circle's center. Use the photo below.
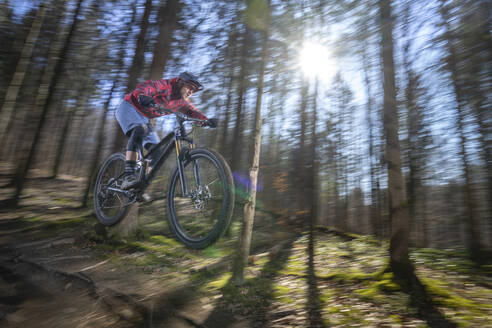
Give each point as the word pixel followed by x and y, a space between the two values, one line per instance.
pixel 476 39
pixel 44 97
pixel 168 19
pixel 119 141
pixel 21 69
pixel 236 142
pixel 452 64
pixel 249 206
pixel 367 67
pixel 399 259
pixel 419 137
pixel 341 97
pixel 120 65
pixel 138 56
pixel 85 87
pixel 230 82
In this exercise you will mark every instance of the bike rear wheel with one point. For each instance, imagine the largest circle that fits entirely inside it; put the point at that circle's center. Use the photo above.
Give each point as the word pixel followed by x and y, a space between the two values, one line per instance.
pixel 110 206
pixel 200 217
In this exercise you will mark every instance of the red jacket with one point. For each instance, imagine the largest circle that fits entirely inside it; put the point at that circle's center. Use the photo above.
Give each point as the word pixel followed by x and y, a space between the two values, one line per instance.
pixel 165 93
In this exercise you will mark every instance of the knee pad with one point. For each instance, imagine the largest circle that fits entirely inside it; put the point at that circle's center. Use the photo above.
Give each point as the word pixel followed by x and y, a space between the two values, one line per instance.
pixel 136 136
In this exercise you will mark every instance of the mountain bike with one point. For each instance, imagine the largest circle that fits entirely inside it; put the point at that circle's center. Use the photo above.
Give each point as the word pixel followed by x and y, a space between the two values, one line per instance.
pixel 200 195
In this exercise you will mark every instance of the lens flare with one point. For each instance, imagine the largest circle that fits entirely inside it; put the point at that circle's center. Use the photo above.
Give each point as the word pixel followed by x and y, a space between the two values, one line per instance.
pixel 316 61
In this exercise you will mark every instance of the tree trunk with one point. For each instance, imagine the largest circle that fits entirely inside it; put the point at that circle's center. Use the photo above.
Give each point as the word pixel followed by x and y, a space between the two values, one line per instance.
pixel 374 215
pixel 43 101
pixel 474 244
pixel 168 19
pixel 398 210
pixel 119 140
pixel 138 57
pixel 230 55
pixel 20 72
pixel 301 161
pixel 249 207
pixel 85 86
pixel 236 146
pixel 314 161
pixel 97 152
pixel 134 70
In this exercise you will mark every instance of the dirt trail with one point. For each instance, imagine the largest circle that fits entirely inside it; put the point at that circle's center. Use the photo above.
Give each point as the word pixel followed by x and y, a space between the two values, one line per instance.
pixel 52 274
pixel 52 283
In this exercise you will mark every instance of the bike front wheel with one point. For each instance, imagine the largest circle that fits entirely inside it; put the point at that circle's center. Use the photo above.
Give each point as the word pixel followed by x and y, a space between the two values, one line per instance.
pixel 110 205
pixel 199 216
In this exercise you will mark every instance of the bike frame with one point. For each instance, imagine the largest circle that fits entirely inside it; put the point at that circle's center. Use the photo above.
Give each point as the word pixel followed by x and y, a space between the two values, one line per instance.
pixel 171 141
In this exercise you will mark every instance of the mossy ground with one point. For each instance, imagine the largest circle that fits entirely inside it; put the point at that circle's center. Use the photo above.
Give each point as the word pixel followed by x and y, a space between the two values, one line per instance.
pixel 340 284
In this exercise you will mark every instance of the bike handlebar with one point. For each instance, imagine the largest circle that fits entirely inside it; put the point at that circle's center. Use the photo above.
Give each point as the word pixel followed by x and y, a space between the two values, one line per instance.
pixel 179 115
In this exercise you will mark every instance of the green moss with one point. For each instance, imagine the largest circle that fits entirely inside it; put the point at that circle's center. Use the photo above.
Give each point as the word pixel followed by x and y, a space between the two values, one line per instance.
pixel 63 200
pixel 279 291
pixel 370 293
pixel 213 252
pixel 387 283
pixel 34 219
pixel 444 296
pixel 162 240
pixel 293 272
pixel 64 223
pixel 220 282
pixel 332 309
pixel 286 300
pixel 350 276
pixel 396 319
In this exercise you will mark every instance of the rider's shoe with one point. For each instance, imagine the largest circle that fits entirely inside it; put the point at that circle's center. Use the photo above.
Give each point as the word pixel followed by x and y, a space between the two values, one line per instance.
pixel 129 181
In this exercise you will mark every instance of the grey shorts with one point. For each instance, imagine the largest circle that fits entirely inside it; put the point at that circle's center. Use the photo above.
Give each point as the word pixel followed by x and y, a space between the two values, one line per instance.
pixel 128 117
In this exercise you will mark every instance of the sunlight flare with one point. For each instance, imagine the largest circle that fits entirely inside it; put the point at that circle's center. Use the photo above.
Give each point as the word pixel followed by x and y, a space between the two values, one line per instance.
pixel 316 61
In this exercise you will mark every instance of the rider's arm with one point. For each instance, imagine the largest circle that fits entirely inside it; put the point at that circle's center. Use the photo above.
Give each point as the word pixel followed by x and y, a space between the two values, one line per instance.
pixel 186 108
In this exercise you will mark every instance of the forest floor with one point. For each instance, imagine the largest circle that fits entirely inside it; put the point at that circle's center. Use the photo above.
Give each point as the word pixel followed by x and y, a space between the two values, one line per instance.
pixel 55 271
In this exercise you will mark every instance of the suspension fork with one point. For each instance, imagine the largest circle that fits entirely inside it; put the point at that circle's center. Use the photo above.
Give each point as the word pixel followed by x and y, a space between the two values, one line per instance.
pixel 195 168
pixel 181 155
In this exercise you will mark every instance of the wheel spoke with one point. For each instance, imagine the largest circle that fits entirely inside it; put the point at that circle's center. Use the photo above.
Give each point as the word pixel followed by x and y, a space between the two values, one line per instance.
pixel 199 219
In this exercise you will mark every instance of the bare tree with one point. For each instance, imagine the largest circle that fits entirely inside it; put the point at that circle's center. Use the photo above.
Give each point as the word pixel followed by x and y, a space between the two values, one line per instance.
pixel 399 260
pixel 249 207
pixel 21 70
pixel 43 101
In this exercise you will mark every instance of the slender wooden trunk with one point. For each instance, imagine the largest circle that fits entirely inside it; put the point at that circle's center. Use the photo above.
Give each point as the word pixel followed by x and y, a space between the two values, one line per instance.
pixel 474 244
pixel 314 185
pixel 301 158
pixel 138 57
pixel 20 72
pixel 373 211
pixel 43 101
pixel 482 64
pixel 63 140
pixel 168 19
pixel 119 139
pixel 249 207
pixel 97 152
pixel 398 210
pixel 84 90
pixel 230 85
pixel 236 146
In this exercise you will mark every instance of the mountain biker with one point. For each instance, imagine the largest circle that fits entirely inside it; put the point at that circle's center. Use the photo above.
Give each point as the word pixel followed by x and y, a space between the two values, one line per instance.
pixel 137 108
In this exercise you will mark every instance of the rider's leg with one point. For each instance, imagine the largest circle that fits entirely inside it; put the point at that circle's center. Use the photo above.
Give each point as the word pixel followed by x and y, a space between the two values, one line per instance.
pixel 136 137
pixel 149 141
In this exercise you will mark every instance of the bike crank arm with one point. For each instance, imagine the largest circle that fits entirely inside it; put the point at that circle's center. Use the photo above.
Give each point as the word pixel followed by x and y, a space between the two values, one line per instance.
pixel 127 193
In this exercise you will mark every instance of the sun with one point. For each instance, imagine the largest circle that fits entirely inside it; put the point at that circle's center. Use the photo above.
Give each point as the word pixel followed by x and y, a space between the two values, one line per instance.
pixel 316 61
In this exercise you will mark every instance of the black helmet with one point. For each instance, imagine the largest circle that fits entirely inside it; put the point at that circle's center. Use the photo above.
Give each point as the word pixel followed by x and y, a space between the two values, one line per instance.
pixel 190 79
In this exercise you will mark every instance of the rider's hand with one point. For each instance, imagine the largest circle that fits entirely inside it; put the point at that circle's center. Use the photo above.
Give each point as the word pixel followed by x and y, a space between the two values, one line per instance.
pixel 211 122
pixel 146 100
